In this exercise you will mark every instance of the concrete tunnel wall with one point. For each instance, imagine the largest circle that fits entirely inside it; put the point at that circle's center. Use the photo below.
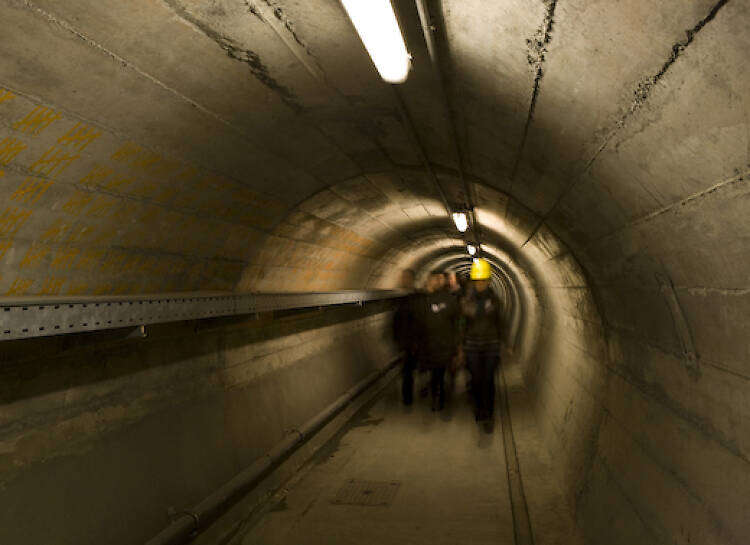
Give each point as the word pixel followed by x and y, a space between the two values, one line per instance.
pixel 103 435
pixel 179 145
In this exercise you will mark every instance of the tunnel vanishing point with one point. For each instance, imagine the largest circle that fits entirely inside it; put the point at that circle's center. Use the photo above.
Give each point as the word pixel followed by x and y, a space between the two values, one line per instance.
pixel 205 206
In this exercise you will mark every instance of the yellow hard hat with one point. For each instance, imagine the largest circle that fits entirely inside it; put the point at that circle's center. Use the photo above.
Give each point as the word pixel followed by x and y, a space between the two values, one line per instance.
pixel 480 269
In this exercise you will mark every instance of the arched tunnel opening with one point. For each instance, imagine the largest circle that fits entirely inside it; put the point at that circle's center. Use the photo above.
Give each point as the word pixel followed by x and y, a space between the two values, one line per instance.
pixel 205 210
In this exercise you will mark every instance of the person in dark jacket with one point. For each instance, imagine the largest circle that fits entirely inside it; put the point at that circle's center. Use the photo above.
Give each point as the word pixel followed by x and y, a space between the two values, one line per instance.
pixel 438 322
pixel 482 312
pixel 453 287
pixel 404 334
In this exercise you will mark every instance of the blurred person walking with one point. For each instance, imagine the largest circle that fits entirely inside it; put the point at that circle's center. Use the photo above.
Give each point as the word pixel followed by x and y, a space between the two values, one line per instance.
pixel 453 287
pixel 482 312
pixel 405 334
pixel 439 341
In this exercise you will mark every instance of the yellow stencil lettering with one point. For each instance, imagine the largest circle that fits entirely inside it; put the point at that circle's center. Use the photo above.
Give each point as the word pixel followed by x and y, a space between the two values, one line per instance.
pixel 78 236
pixel 77 289
pixel 96 176
pixel 19 286
pixel 105 236
pixel 76 203
pixel 4 247
pixel 147 161
pixel 127 151
pixel 118 183
pixel 12 219
pixel 79 137
pixel 54 161
pixel 52 286
pixel 34 255
pixel 37 120
pixel 9 148
pixel 31 190
pixel 88 259
pixel 6 95
pixel 100 209
pixel 54 232
pixel 64 258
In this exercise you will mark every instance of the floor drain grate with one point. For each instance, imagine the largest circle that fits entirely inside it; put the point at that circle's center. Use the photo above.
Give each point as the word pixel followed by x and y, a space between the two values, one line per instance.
pixel 367 493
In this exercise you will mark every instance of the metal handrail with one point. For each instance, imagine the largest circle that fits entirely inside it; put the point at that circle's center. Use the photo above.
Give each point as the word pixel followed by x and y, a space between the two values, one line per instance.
pixel 29 317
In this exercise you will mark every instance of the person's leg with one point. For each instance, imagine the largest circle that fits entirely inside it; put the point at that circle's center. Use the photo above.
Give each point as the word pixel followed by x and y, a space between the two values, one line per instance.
pixel 437 386
pixel 473 365
pixel 434 387
pixel 481 386
pixel 441 386
pixel 493 360
pixel 424 381
pixel 407 385
pixel 451 378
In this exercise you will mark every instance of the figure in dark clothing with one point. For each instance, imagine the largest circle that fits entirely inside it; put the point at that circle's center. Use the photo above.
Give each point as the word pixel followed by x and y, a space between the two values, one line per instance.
pixel 453 287
pixel 452 284
pixel 405 335
pixel 483 329
pixel 438 323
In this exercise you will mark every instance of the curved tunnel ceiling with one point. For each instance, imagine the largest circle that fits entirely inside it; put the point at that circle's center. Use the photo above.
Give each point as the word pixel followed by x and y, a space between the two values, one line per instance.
pixel 185 145
pixel 181 132
pixel 249 145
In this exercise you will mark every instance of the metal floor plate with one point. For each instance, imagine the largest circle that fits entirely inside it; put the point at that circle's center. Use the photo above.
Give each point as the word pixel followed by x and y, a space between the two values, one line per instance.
pixel 369 493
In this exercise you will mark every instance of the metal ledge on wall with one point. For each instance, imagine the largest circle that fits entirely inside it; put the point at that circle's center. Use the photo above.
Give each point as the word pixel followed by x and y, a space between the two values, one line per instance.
pixel 22 318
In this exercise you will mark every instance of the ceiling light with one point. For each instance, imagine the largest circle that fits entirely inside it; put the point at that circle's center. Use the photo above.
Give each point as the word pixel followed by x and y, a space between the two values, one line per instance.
pixel 471 248
pixel 378 29
pixel 461 222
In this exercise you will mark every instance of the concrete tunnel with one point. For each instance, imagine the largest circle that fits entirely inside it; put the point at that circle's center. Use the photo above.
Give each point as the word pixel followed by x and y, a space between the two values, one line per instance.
pixel 205 206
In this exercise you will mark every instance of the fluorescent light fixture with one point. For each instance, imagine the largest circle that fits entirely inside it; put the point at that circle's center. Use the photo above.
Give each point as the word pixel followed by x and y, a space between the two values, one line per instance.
pixel 471 248
pixel 378 29
pixel 461 222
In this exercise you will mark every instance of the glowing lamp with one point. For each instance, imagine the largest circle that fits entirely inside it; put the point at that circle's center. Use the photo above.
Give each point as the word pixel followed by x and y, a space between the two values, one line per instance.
pixel 376 24
pixel 459 218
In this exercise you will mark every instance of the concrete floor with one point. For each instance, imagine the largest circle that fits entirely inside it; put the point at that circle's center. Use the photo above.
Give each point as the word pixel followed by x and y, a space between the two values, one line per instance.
pixel 448 475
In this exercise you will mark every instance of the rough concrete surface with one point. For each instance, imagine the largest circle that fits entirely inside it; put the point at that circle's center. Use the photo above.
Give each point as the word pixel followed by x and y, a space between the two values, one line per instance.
pixel 446 477
pixel 101 438
pixel 249 145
